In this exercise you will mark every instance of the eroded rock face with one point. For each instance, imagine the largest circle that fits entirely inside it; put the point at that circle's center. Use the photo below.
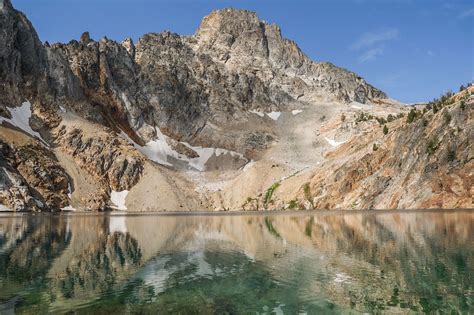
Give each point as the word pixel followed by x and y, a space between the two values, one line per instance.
pixel 31 179
pixel 425 164
pixel 106 157
pixel 232 64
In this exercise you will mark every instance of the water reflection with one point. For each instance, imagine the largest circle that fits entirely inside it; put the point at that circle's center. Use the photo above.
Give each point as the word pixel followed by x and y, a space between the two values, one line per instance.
pixel 392 262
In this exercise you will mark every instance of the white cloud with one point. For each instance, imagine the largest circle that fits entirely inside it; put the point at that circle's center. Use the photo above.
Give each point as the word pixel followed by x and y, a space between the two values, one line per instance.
pixel 372 44
pixel 370 39
pixel 371 54
pixel 467 14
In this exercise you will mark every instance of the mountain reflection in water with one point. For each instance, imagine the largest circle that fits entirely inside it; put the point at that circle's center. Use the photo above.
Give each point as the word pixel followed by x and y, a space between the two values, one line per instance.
pixel 353 262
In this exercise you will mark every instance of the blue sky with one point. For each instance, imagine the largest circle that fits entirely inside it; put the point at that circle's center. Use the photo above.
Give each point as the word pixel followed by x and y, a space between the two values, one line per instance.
pixel 412 49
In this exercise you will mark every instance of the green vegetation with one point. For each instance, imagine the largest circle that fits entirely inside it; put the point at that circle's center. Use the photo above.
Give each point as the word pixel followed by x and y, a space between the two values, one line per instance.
pixel 385 130
pixel 249 201
pixel 293 204
pixel 463 105
pixel 411 116
pixel 363 116
pixel 451 155
pixel 437 104
pixel 447 117
pixel 432 146
pixel 374 147
pixel 381 120
pixel 307 194
pixel 269 193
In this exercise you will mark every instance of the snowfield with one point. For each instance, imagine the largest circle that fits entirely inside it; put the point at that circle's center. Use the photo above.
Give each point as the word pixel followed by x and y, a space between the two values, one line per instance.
pixel 274 115
pixel 159 150
pixel 334 143
pixel 21 119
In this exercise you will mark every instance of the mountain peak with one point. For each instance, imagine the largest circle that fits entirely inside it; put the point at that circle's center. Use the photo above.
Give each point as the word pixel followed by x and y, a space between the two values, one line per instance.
pixel 230 21
pixel 5 4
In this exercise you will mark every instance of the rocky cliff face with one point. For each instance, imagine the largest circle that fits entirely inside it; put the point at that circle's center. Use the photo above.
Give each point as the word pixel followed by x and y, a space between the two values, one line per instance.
pixel 171 116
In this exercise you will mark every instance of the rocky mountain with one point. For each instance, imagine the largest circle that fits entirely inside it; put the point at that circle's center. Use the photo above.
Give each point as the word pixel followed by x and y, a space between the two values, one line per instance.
pixel 209 121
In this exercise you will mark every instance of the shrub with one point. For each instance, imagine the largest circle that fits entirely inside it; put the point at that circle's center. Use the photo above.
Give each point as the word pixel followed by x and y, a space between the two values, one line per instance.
pixel 361 117
pixel 447 117
pixel 390 118
pixel 374 147
pixel 307 194
pixel 385 129
pixel 451 155
pixel 269 193
pixel 293 204
pixel 425 122
pixel 432 146
pixel 463 105
pixel 411 116
pixel 381 120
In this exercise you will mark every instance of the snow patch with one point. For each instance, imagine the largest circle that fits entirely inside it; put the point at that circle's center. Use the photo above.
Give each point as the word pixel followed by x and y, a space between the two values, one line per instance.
pixel 21 119
pixel 356 107
pixel 118 199
pixel 205 154
pixel 117 224
pixel 159 150
pixel 156 150
pixel 334 143
pixel 274 115
pixel 296 112
pixel 248 166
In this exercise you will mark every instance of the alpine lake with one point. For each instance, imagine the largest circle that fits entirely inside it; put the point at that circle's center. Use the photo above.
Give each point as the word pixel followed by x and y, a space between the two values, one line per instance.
pixel 345 262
